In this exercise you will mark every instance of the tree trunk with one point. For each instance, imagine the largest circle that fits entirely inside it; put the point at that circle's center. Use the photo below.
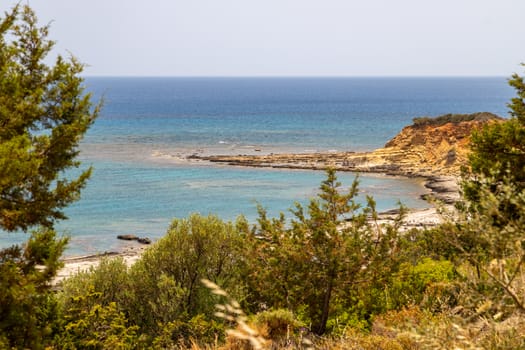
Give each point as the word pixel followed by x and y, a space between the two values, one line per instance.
pixel 321 326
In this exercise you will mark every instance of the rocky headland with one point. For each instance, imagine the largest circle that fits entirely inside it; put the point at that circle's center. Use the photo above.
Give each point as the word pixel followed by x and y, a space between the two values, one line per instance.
pixel 433 148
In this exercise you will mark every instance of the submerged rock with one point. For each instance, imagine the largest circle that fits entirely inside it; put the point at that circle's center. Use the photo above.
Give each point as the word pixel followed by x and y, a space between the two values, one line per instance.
pixel 144 240
pixel 129 237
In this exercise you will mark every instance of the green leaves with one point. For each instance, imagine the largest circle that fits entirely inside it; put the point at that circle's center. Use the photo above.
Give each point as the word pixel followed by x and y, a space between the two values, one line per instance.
pixel 517 104
pixel 321 255
pixel 27 304
pixel 499 148
pixel 44 114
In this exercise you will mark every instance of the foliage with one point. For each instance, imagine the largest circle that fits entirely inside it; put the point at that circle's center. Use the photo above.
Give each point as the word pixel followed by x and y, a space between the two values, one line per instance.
pixel 168 275
pixel 326 254
pixel 491 245
pixel 418 329
pixel 161 293
pixel 425 284
pixel 498 149
pixel 99 327
pixel 27 304
pixel 277 324
pixel 244 336
pixel 454 118
pixel 44 113
pixel 107 283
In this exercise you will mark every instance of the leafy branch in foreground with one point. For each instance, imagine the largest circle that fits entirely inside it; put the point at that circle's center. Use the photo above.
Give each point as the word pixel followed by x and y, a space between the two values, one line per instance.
pixel 492 242
pixel 231 311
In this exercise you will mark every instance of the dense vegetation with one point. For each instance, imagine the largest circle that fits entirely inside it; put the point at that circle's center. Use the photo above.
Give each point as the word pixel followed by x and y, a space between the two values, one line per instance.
pixel 43 115
pixel 454 118
pixel 330 276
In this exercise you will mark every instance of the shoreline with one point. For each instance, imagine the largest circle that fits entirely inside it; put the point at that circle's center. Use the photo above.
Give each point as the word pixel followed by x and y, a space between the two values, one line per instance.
pixel 415 218
pixel 443 188
pixel 77 264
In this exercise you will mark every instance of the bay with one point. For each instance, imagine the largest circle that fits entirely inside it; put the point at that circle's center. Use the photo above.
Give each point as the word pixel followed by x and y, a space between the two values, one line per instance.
pixel 141 180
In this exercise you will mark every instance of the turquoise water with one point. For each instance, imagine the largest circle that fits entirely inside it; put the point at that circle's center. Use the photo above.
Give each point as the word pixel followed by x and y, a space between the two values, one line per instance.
pixel 148 125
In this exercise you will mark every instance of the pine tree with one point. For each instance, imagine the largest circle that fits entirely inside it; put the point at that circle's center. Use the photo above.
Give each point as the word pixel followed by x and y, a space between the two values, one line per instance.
pixel 317 265
pixel 44 113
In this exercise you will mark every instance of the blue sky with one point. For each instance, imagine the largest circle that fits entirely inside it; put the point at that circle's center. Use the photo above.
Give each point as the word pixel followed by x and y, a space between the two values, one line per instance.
pixel 289 37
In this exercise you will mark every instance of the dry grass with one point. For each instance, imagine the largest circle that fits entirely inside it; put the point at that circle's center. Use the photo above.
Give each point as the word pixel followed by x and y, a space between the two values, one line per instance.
pixel 408 329
pixel 245 335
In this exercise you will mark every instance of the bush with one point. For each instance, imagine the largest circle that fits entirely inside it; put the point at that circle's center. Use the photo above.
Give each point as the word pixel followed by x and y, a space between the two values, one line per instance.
pixel 108 282
pixel 165 282
pixel 454 118
pixel 277 324
pixel 99 327
pixel 28 307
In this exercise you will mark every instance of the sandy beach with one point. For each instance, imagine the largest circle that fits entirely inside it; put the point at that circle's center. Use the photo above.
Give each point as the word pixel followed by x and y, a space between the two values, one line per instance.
pixel 73 265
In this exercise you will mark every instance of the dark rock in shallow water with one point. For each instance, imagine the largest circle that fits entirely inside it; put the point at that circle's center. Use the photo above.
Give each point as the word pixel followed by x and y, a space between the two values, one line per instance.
pixel 128 237
pixel 144 240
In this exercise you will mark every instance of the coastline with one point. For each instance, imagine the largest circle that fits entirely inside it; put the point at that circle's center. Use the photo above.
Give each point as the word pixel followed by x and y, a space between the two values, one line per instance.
pixel 433 154
pixel 77 264
pixel 415 218
pixel 441 188
pixel 442 183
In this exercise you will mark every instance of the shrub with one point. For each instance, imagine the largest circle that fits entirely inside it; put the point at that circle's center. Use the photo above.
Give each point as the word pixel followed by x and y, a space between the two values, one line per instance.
pixel 165 282
pixel 454 118
pixel 99 327
pixel 109 280
pixel 278 324
pixel 28 307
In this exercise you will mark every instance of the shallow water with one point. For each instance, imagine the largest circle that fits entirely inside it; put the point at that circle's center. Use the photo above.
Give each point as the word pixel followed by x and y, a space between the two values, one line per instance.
pixel 141 180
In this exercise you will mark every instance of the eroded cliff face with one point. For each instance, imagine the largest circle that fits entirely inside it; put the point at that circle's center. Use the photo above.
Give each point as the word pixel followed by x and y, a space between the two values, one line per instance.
pixel 429 147
pixel 432 149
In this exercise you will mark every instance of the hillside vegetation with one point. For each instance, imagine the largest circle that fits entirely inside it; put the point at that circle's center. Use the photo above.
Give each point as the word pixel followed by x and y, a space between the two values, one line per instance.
pixel 328 276
pixel 455 118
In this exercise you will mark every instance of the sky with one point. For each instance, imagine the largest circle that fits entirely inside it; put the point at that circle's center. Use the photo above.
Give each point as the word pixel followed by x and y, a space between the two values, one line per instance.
pixel 288 37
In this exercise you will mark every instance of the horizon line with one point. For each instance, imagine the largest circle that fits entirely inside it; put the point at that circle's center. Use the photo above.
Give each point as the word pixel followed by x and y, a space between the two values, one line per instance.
pixel 293 76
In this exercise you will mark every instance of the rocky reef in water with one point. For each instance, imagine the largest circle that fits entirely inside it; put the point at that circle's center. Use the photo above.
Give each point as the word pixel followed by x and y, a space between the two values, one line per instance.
pixel 430 147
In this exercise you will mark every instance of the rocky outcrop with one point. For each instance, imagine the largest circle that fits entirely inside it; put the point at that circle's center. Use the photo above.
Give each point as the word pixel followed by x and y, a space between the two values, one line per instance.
pixel 430 147
pixel 131 237
pixel 435 146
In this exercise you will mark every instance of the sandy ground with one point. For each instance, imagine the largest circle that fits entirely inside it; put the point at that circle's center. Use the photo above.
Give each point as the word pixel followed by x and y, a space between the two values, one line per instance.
pixel 74 265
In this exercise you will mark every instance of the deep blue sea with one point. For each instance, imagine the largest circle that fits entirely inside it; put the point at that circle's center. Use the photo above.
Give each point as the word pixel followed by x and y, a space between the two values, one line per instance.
pixel 141 180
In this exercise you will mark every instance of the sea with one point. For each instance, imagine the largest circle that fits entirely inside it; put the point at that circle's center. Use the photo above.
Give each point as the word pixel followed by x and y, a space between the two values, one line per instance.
pixel 138 146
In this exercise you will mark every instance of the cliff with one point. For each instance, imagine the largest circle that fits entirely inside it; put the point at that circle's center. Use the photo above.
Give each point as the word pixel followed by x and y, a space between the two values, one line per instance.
pixel 434 146
pixel 430 147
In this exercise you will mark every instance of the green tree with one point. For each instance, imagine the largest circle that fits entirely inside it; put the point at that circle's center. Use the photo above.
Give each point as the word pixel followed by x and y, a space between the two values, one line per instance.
pixel 165 282
pixel 498 149
pixel 44 113
pixel 329 252
pixel 487 238
pixel 489 245
pixel 27 305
